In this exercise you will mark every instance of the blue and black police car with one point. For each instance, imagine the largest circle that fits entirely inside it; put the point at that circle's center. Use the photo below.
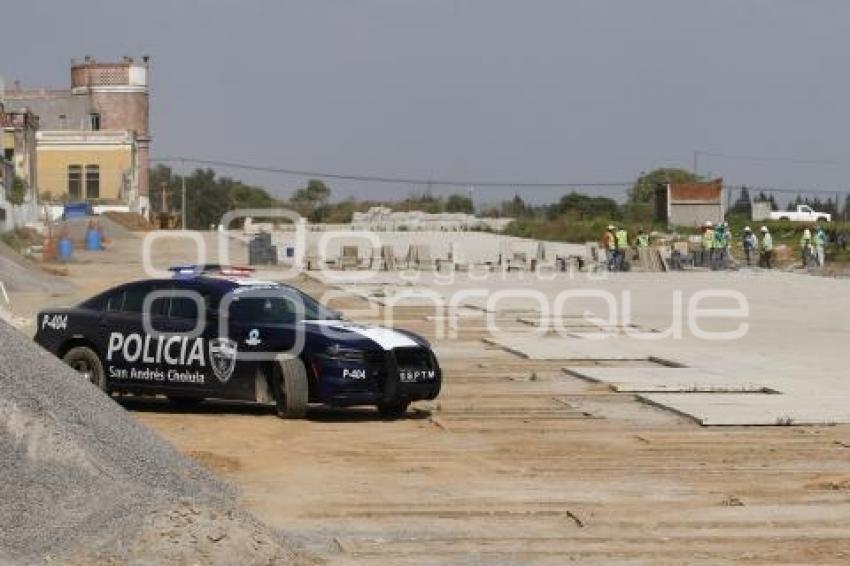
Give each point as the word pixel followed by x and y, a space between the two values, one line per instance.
pixel 210 332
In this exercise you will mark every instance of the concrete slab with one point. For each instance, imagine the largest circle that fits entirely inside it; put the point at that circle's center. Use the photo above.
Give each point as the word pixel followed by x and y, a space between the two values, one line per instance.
pixel 671 380
pixel 564 320
pixel 755 409
pixel 463 313
pixel 560 348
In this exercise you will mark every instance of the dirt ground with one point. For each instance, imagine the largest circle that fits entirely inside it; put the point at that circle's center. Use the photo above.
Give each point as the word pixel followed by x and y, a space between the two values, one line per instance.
pixel 516 462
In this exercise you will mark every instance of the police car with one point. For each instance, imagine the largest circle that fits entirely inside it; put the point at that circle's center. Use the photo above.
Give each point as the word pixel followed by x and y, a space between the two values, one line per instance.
pixel 211 332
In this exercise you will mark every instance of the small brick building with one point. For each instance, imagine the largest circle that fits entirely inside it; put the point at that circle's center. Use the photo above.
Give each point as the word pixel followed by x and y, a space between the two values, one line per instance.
pixel 691 204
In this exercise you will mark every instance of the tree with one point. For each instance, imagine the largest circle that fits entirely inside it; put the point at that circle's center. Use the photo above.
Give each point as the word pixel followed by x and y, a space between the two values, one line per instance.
pixel 742 206
pixel 208 197
pixel 18 191
pixel 460 203
pixel 584 206
pixel 514 208
pixel 644 188
pixel 315 194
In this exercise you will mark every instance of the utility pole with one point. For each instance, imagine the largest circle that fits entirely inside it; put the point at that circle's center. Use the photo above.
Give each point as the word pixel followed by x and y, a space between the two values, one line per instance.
pixel 183 205
pixel 696 163
pixel 163 196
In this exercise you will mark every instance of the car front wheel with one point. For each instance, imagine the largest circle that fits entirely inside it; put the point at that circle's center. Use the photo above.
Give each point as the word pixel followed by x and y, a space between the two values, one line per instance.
pixel 290 388
pixel 87 363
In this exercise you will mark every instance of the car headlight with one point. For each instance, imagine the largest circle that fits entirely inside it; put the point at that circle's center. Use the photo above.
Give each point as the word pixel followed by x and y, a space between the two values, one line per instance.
pixel 342 354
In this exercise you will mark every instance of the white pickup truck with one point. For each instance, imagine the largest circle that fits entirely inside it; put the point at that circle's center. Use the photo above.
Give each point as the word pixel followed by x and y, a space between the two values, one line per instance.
pixel 803 214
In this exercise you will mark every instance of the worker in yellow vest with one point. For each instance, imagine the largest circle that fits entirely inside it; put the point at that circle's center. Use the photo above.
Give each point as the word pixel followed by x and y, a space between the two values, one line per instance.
pixel 819 241
pixel 707 243
pixel 642 240
pixel 621 239
pixel 806 247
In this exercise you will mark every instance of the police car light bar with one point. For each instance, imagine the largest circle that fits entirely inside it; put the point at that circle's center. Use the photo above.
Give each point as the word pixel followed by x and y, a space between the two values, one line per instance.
pixel 210 269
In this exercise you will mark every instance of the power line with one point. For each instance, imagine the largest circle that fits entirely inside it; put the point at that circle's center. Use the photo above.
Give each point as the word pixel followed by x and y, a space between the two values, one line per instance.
pixel 387 179
pixel 772 159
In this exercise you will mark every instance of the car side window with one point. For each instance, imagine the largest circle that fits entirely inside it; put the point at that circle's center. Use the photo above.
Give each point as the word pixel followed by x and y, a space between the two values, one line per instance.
pixel 115 302
pixel 263 309
pixel 134 298
pixel 183 307
pixel 159 306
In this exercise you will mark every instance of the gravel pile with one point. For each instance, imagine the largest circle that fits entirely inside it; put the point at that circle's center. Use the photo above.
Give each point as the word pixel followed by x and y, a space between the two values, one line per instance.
pixel 83 482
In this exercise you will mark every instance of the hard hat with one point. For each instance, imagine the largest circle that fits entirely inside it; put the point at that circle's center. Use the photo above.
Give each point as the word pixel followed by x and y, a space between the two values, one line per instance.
pixel 764 228
pixel 707 224
pixel 747 229
pixel 611 227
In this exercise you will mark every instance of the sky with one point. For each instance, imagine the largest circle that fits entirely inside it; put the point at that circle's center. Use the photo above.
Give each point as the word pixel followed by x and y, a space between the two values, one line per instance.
pixel 542 91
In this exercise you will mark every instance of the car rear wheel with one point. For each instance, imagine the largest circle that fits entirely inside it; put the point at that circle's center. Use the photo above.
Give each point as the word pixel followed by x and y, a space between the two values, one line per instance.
pixel 87 363
pixel 290 388
pixel 393 410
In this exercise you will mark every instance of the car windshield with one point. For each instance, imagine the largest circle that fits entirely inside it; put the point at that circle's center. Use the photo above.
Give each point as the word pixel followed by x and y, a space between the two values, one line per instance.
pixel 277 305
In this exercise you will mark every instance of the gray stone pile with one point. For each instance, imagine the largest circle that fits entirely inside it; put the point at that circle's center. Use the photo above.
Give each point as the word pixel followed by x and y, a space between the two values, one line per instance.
pixel 82 481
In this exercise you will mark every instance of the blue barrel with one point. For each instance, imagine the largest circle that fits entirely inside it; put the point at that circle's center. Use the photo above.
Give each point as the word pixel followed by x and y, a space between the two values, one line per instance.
pixel 94 240
pixel 65 249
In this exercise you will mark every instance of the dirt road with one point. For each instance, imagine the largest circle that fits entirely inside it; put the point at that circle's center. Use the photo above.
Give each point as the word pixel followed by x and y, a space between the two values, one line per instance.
pixel 517 463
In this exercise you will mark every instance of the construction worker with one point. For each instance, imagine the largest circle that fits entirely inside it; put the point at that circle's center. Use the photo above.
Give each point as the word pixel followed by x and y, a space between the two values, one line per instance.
pixel 819 240
pixel 642 240
pixel 766 250
pixel 707 243
pixel 609 249
pixel 718 251
pixel 621 239
pixel 750 243
pixel 806 247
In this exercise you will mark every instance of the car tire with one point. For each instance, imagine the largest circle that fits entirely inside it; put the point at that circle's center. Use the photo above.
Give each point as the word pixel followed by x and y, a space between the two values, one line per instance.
pixel 85 361
pixel 290 389
pixel 822 219
pixel 785 219
pixel 393 410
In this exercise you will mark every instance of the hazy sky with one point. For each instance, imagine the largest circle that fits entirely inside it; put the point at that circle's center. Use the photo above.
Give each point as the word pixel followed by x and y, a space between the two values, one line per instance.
pixel 519 90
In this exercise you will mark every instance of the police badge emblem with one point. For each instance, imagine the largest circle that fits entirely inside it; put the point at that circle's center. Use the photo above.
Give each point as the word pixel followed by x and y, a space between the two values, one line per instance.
pixel 223 358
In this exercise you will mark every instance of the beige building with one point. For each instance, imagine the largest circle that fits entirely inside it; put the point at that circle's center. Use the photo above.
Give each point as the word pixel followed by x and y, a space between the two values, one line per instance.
pixel 93 139
pixel 95 166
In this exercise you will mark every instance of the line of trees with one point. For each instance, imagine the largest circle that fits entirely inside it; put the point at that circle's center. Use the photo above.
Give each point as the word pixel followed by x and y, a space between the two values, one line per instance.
pixel 209 197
